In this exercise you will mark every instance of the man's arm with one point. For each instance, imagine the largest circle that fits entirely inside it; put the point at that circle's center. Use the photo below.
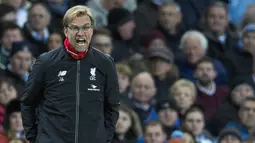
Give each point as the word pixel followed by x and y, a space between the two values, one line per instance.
pixel 31 98
pixel 112 100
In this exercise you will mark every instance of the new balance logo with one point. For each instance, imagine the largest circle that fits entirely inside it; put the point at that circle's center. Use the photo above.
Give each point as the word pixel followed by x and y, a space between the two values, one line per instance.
pixel 61 75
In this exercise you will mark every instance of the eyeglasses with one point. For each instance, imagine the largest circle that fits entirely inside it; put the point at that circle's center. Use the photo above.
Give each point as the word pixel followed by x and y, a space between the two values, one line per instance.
pixel 77 28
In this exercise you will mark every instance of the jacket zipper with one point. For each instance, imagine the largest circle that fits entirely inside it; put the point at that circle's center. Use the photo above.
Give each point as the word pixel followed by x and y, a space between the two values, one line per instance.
pixel 77 102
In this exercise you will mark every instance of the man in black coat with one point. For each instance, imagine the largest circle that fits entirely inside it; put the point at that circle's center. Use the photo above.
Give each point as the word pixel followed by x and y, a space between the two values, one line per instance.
pixel 72 93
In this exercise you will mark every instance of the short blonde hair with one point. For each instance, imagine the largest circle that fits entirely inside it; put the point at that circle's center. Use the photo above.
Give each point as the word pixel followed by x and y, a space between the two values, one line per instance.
pixel 183 83
pixel 77 11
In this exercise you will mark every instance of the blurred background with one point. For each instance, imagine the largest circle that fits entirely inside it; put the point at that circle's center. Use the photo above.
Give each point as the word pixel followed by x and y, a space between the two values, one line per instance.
pixel 186 68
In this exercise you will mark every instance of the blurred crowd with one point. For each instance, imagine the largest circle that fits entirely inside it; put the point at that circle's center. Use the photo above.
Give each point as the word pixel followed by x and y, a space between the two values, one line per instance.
pixel 186 68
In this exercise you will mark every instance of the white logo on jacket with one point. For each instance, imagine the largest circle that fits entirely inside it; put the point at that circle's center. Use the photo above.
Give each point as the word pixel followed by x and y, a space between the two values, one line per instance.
pixel 93 74
pixel 93 88
pixel 61 75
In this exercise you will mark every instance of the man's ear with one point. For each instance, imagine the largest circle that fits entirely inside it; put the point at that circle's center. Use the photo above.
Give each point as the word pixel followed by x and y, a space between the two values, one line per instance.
pixel 65 32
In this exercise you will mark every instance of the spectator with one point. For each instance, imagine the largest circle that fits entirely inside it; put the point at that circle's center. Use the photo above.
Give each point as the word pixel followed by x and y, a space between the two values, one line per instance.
pixel 243 57
pixel 161 63
pixel 124 77
pixel 21 7
pixel 36 29
pixel 230 135
pixel 121 25
pixel 194 46
pixel 209 94
pixel 143 92
pixel 170 24
pixel 154 132
pixel 100 10
pixel 128 127
pixel 102 40
pixel 55 41
pixel 247 118
pixel 168 115
pixel 184 94
pixel 21 59
pixel 13 122
pixel 146 17
pixel 221 37
pixel 194 121
pixel 239 91
pixel 10 33
pixel 7 93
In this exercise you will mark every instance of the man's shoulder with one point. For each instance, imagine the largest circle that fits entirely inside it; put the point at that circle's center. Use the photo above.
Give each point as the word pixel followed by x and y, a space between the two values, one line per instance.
pixel 50 56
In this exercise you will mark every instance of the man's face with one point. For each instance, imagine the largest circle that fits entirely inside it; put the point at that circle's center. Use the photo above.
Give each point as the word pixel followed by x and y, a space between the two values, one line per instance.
pixel 143 88
pixel 79 33
pixel 169 17
pixel 168 117
pixel 159 66
pixel 194 122
pixel 103 43
pixel 205 73
pixel 230 139
pixel 21 62
pixel 126 30
pixel 249 42
pixel 154 134
pixel 39 18
pixel 55 41
pixel 217 20
pixel 241 92
pixel 247 114
pixel 16 122
pixel 193 50
pixel 10 36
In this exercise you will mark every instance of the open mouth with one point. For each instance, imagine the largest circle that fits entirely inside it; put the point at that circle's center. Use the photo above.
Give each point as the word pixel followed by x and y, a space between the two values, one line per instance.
pixel 81 42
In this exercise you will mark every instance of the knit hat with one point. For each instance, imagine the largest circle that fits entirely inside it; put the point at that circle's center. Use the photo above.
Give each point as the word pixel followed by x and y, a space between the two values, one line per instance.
pixel 12 106
pixel 163 53
pixel 230 131
pixel 177 134
pixel 155 34
pixel 165 105
pixel 118 16
pixel 20 46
